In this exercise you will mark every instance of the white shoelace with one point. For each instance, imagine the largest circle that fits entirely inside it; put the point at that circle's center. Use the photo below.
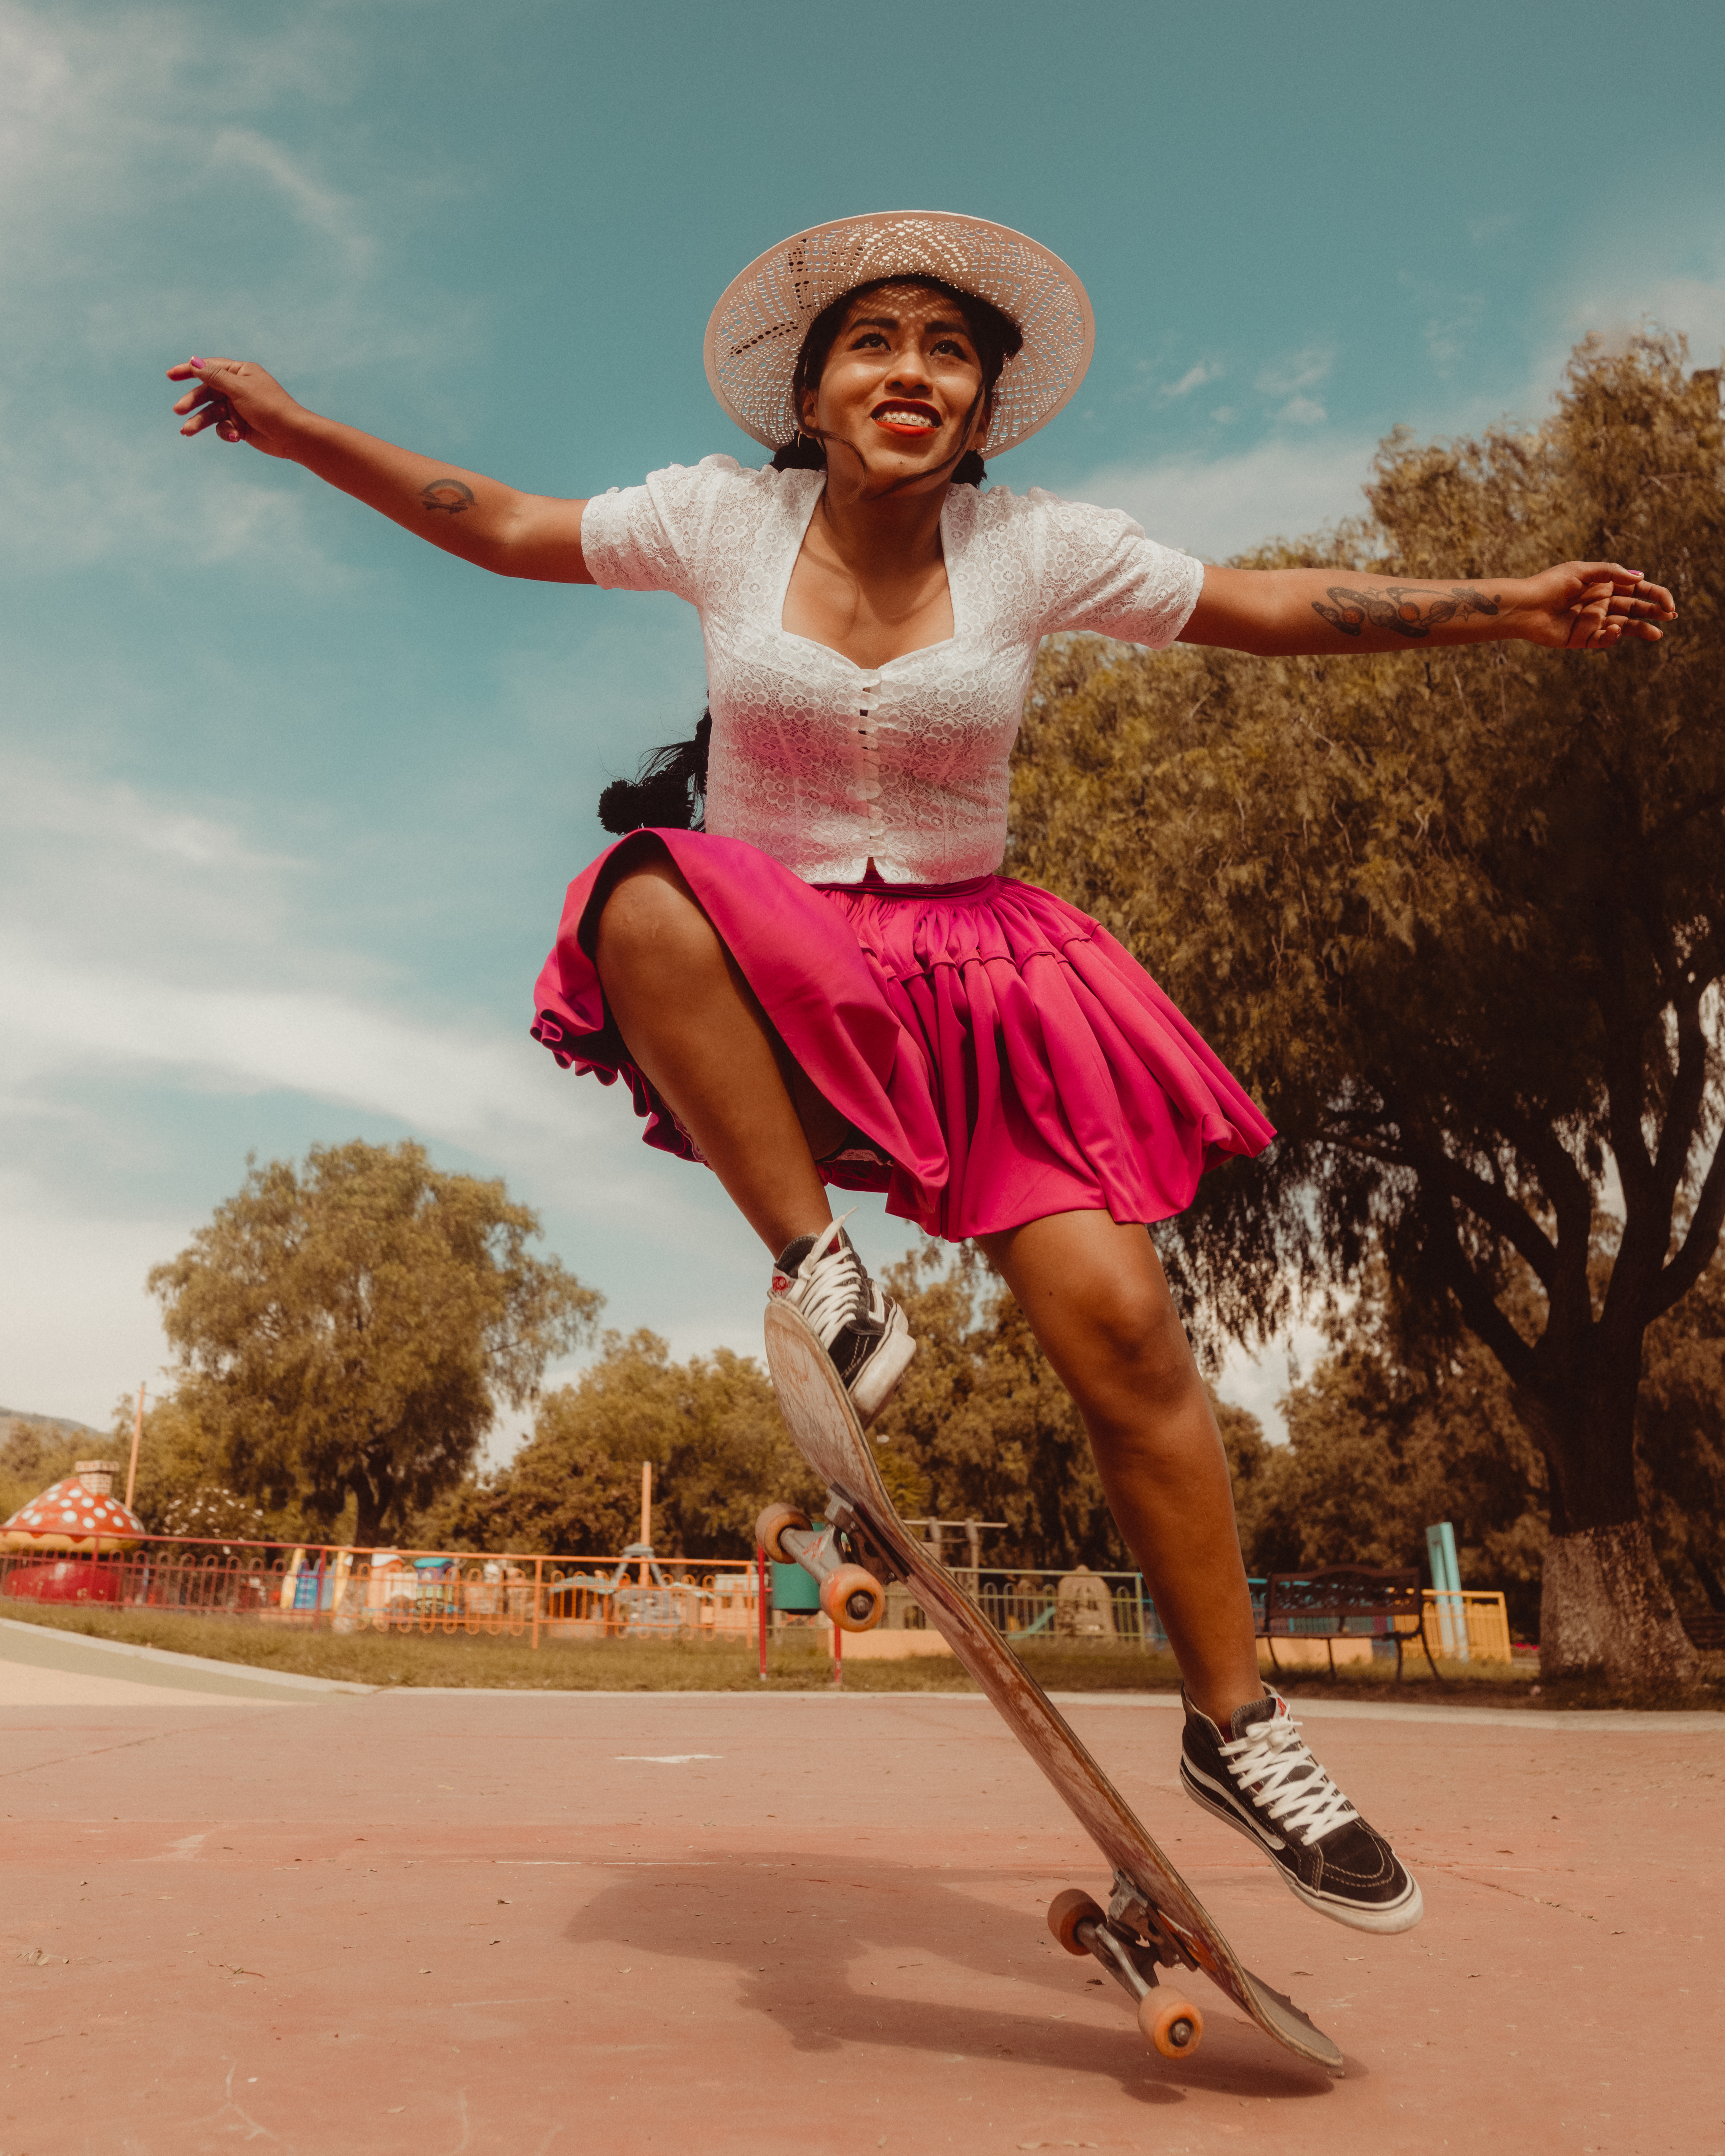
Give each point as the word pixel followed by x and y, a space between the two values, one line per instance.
pixel 832 1288
pixel 1296 1793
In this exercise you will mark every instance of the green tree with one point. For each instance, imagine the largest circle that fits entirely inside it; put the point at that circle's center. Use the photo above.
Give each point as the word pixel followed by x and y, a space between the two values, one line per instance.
pixel 981 1428
pixel 347 1328
pixel 1377 1451
pixel 1458 919
pixel 34 1454
pixel 981 1423
pixel 710 1428
pixel 181 1489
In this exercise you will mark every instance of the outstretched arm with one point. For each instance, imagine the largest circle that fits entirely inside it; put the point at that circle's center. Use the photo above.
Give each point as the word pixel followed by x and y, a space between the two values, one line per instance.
pixel 1581 606
pixel 464 512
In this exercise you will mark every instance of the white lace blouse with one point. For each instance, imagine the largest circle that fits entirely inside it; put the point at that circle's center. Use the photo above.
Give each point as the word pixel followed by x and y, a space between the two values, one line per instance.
pixel 827 765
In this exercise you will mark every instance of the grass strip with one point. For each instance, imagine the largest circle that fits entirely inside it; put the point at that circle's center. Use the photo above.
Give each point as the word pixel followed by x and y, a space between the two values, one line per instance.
pixel 795 1663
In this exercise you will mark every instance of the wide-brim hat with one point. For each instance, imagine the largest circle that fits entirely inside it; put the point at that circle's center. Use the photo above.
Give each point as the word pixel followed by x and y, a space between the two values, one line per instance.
pixel 756 331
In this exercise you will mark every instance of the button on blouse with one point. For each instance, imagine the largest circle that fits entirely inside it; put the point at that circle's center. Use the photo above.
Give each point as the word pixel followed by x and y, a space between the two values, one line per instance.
pixel 827 765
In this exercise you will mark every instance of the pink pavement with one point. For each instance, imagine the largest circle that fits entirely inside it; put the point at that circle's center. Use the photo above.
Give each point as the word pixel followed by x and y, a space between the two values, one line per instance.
pixel 549 1923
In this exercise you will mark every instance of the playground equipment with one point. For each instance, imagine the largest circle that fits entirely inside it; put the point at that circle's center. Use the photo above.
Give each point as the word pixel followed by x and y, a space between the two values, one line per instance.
pixel 78 1513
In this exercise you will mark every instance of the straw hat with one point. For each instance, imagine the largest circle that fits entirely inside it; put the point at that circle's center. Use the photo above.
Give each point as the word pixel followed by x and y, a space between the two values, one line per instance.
pixel 757 330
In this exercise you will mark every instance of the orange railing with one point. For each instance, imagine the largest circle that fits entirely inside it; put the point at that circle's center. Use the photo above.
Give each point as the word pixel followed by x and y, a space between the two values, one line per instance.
pixel 326 1586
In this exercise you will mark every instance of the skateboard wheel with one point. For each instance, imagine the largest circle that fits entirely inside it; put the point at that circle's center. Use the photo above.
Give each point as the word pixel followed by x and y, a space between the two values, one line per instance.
pixel 1173 2024
pixel 852 1598
pixel 773 1523
pixel 1070 1907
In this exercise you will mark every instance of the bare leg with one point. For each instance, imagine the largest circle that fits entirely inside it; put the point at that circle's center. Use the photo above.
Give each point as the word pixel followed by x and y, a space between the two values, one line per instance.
pixel 695 1027
pixel 1097 1300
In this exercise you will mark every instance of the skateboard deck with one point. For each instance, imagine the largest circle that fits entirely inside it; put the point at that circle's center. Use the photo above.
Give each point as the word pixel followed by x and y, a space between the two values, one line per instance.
pixel 1150 1898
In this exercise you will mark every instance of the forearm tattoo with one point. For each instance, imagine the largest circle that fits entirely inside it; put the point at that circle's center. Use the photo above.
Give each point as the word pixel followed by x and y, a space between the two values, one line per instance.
pixel 451 495
pixel 1403 607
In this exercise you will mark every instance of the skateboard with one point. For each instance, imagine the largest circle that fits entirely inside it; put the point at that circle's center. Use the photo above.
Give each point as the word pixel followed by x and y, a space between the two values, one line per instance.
pixel 1154 1930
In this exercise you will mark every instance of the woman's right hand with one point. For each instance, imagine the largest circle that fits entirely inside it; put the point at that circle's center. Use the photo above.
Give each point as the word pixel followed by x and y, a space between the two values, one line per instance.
pixel 512 534
pixel 240 401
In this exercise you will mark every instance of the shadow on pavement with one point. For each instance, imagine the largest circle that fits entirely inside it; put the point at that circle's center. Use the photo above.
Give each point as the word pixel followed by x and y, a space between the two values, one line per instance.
pixel 799 1939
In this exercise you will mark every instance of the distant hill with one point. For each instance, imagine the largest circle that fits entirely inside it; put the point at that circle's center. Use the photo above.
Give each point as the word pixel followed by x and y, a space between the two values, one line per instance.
pixel 38 1449
pixel 11 1418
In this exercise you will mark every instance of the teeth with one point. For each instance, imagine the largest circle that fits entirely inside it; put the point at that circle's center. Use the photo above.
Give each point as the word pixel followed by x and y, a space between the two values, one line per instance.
pixel 906 418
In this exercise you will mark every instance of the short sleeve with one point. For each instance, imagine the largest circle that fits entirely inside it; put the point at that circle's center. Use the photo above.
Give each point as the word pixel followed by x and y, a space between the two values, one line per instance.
pixel 660 536
pixel 1096 570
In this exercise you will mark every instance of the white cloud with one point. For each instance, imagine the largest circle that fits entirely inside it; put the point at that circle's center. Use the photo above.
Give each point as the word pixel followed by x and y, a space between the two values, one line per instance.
pixel 110 125
pixel 1303 412
pixel 142 935
pixel 1624 288
pixel 86 490
pixel 1219 506
pixel 1300 370
pixel 92 106
pixel 1616 308
pixel 78 1326
pixel 1451 319
pixel 1194 377
pixel 153 958
pixel 315 204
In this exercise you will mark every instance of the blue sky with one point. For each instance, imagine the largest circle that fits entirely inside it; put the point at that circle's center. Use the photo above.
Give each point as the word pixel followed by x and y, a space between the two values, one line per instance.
pixel 288 799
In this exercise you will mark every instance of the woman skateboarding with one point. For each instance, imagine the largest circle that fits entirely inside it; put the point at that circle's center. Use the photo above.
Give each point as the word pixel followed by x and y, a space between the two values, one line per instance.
pixel 831 984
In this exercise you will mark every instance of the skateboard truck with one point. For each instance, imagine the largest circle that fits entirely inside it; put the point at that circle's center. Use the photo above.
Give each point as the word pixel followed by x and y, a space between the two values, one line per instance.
pixel 1134 1948
pixel 853 1598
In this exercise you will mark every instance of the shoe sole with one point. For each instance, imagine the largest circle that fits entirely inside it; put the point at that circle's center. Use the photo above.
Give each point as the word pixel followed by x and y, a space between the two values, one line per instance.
pixel 1399 1916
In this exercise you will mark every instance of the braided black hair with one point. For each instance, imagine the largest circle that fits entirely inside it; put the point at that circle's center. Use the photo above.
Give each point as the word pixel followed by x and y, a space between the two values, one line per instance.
pixel 668 793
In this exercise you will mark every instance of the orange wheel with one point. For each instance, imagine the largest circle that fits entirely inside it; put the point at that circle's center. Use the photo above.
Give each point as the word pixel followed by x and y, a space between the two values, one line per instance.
pixel 1067 1910
pixel 773 1523
pixel 854 1599
pixel 1171 2022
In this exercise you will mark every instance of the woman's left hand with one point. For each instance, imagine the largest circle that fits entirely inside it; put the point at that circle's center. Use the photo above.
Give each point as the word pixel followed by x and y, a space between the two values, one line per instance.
pixel 1587 606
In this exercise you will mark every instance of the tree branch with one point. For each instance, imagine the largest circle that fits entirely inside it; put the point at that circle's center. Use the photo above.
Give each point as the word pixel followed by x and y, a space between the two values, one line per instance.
pixel 1640 1268
pixel 1568 1189
pixel 1478 1304
pixel 1491 1202
pixel 1625 1061
pixel 1699 1244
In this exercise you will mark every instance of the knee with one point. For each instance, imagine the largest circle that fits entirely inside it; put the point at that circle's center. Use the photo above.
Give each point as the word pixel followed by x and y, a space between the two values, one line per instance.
pixel 1135 1326
pixel 1139 1356
pixel 651 915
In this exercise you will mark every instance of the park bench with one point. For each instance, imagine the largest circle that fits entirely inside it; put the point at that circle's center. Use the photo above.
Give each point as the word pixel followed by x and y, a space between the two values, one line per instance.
pixel 1344 1601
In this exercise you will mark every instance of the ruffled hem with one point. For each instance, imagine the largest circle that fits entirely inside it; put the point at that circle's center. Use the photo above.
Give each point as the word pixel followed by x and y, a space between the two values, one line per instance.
pixel 1004 1057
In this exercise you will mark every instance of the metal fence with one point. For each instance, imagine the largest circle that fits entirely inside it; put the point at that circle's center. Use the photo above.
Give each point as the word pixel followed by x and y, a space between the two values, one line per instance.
pixel 1029 1602
pixel 635 1596
pixel 428 1592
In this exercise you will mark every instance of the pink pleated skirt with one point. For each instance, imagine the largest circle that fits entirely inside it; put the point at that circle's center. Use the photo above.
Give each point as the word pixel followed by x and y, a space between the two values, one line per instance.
pixel 1000 1056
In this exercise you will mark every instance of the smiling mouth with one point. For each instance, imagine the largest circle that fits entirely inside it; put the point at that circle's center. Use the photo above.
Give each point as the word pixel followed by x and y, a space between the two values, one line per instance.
pixel 906 418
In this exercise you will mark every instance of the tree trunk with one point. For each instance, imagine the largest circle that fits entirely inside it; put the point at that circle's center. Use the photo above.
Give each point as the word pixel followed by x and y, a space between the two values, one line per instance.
pixel 1604 1611
pixel 1711 1584
pixel 368 1514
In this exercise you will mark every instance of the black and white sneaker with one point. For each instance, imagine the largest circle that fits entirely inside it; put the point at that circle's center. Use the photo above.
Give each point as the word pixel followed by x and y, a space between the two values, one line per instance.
pixel 1262 1779
pixel 858 1324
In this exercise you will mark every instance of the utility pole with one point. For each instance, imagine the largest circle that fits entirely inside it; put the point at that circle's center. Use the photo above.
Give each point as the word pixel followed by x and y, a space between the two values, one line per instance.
pixel 646 1513
pixel 137 1439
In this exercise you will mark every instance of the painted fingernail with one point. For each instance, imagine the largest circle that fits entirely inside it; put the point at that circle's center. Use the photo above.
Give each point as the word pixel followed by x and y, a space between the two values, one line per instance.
pixel 196 361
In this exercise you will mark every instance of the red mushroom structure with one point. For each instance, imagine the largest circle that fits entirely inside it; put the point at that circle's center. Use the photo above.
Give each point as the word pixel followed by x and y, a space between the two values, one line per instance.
pixel 78 1513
